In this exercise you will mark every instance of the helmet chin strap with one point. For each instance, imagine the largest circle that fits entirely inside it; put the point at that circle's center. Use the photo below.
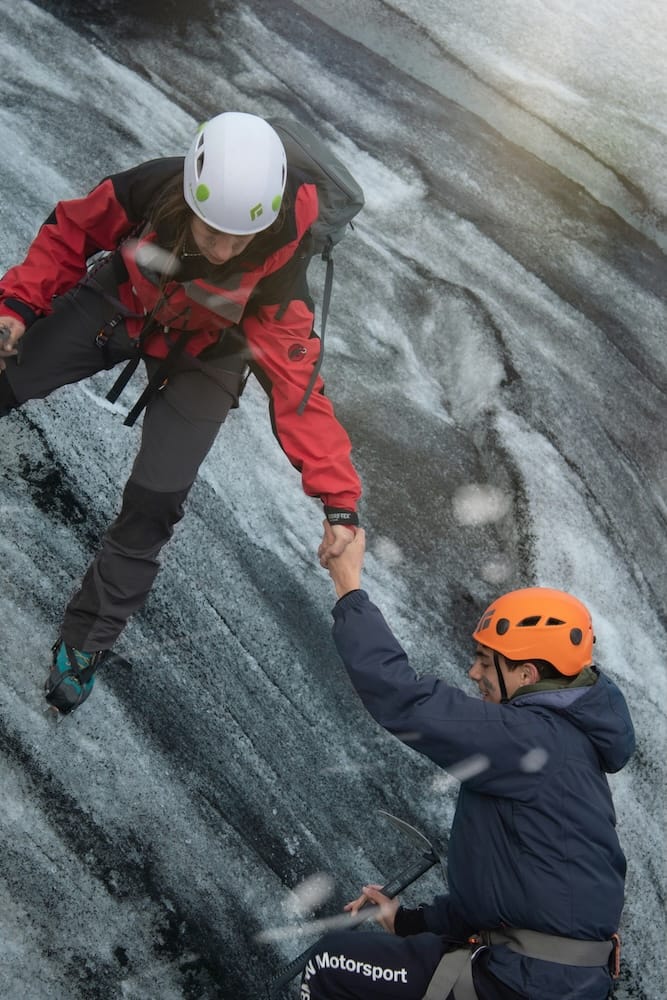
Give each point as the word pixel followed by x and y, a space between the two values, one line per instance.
pixel 501 680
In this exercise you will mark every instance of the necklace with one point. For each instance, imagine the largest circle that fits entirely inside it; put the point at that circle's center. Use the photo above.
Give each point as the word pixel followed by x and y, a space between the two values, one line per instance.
pixel 189 253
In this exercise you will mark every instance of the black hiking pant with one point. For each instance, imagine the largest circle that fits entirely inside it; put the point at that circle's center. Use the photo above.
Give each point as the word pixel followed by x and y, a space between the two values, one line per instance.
pixel 180 424
pixel 373 965
pixel 368 965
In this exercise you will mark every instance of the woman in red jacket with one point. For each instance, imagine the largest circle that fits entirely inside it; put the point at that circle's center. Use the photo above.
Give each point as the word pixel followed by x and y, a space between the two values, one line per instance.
pixel 205 277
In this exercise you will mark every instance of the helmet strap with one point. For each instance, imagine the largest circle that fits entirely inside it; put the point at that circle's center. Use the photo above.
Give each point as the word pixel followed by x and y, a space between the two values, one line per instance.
pixel 501 680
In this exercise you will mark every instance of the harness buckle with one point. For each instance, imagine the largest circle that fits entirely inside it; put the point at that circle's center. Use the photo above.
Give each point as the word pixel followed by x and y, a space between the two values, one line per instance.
pixel 615 957
pixel 106 331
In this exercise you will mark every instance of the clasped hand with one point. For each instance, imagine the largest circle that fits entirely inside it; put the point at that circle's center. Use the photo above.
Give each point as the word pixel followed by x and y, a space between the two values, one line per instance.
pixel 11 331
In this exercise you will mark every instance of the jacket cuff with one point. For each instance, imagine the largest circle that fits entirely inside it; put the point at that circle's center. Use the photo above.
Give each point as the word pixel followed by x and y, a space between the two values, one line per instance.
pixel 19 310
pixel 408 922
pixel 353 599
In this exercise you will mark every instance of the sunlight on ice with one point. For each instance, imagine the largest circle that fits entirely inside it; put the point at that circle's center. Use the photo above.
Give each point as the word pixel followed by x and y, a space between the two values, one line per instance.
pixel 387 551
pixel 478 504
pixel 496 570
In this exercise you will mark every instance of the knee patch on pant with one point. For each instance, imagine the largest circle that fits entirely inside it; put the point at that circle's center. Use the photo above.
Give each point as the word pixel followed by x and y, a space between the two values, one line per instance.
pixel 147 518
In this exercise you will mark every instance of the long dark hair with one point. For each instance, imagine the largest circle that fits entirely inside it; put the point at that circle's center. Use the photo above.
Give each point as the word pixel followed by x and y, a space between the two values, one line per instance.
pixel 171 217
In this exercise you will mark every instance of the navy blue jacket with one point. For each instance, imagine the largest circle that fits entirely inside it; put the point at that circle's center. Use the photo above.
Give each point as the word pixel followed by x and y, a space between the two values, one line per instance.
pixel 533 843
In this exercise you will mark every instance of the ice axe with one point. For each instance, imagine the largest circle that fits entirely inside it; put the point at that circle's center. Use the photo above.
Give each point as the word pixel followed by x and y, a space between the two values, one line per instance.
pixel 429 857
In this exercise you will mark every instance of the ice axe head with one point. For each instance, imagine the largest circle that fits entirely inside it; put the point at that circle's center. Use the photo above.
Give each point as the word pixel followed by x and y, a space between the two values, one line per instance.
pixel 427 846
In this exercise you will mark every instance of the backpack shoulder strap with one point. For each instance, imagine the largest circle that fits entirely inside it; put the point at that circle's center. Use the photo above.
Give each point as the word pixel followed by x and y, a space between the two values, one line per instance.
pixel 339 198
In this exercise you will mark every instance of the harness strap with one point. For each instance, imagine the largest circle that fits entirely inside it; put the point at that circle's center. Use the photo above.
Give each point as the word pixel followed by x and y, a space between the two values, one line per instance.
pixel 122 380
pixel 551 947
pixel 464 987
pixel 176 361
pixel 130 368
pixel 157 379
pixel 454 972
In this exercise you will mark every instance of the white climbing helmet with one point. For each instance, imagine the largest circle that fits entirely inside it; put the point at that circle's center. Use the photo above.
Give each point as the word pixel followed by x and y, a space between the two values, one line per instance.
pixel 234 173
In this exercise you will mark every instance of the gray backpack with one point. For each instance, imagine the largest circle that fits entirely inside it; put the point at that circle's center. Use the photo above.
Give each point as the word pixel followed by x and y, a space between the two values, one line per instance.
pixel 340 199
pixel 339 195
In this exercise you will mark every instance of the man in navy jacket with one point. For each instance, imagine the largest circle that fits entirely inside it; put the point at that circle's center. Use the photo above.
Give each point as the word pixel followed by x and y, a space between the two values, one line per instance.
pixel 536 872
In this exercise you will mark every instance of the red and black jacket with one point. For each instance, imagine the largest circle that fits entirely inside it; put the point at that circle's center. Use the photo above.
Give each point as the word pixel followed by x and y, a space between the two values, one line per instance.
pixel 262 291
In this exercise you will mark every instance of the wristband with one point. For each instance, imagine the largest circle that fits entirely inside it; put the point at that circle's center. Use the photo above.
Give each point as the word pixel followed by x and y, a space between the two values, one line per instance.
pixel 20 310
pixel 346 518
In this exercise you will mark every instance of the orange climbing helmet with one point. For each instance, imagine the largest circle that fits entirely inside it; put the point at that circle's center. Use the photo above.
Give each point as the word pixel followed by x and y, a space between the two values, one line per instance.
pixel 542 624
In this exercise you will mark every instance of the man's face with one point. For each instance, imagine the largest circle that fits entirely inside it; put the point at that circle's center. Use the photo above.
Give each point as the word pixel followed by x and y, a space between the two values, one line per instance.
pixel 483 673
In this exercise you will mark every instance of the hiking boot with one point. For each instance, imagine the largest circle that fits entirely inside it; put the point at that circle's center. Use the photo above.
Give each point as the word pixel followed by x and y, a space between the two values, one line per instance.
pixel 71 677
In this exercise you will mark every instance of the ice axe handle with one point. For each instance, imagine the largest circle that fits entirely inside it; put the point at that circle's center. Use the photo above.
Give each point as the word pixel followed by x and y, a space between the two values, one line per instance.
pixel 409 875
pixel 391 889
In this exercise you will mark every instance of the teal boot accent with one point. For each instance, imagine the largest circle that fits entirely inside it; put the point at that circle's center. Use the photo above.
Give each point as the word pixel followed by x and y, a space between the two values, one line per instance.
pixel 71 677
